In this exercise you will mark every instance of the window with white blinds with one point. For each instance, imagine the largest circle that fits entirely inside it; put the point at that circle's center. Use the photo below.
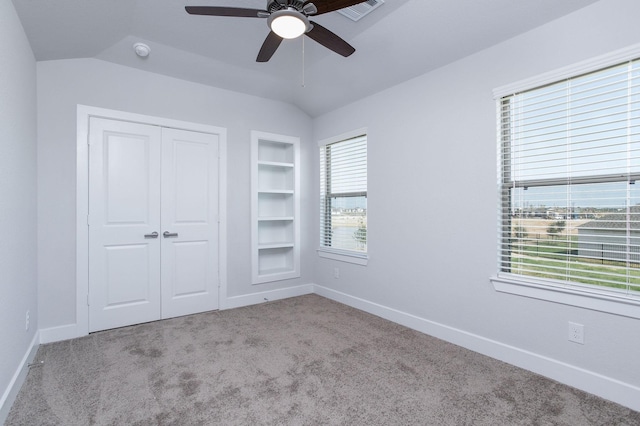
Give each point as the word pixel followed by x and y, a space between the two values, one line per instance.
pixel 343 196
pixel 570 182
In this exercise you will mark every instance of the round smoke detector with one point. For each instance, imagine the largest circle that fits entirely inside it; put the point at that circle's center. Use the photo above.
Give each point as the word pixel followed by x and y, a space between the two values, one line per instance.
pixel 142 50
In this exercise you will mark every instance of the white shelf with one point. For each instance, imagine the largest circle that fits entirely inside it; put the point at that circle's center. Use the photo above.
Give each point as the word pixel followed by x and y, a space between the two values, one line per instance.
pixel 276 263
pixel 274 246
pixel 276 191
pixel 275 164
pixel 275 204
pixel 275 207
pixel 275 232
pixel 276 272
pixel 274 148
pixel 275 178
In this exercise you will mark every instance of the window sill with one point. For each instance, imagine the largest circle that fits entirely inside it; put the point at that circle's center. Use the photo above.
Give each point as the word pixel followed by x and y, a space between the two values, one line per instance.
pixel 344 256
pixel 588 298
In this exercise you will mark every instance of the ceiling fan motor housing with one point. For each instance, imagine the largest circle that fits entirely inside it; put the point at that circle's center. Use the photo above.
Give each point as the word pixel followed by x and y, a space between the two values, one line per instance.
pixel 276 5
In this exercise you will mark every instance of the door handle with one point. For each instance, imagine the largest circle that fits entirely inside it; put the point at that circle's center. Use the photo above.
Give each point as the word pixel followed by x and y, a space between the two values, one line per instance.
pixel 168 234
pixel 151 235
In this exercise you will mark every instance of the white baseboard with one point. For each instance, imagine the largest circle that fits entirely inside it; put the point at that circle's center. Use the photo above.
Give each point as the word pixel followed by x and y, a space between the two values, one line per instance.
pixel 614 390
pixel 71 331
pixel 265 296
pixel 18 379
pixel 56 334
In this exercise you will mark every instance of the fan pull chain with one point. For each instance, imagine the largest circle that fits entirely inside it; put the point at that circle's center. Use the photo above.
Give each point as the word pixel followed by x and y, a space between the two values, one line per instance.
pixel 303 82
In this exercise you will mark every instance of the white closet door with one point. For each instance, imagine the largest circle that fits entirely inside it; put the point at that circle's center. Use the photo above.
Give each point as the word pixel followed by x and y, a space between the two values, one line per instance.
pixel 153 225
pixel 124 214
pixel 189 222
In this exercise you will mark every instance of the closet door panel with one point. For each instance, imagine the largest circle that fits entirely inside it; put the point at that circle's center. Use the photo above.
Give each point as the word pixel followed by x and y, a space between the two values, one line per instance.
pixel 189 222
pixel 124 212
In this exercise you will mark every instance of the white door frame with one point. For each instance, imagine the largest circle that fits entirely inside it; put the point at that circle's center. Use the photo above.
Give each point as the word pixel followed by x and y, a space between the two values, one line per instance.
pixel 82 199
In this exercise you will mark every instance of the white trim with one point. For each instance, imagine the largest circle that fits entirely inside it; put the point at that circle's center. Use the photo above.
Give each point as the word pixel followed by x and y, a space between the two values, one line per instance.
pixel 266 296
pixel 82 214
pixel 605 300
pixel 343 256
pixel 343 137
pixel 274 137
pixel 57 334
pixel 606 387
pixel 332 253
pixel 222 223
pixel 256 138
pixel 583 298
pixel 82 203
pixel 11 392
pixel 612 58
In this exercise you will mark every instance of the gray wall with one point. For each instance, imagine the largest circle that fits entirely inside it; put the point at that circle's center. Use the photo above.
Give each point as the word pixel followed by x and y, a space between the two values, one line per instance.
pixel 64 84
pixel 17 194
pixel 432 198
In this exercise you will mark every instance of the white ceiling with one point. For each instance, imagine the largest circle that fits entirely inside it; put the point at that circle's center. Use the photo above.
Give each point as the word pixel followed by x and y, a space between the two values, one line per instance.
pixel 398 41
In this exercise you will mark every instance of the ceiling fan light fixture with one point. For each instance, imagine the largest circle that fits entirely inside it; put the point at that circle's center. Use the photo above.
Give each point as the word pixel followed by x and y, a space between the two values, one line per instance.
pixel 288 23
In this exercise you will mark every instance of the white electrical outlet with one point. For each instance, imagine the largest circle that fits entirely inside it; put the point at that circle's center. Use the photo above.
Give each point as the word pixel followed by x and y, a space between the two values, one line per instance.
pixel 26 325
pixel 336 273
pixel 576 333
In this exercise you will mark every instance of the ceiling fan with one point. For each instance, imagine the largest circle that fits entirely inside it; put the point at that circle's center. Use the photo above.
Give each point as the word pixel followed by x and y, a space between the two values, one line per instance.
pixel 288 19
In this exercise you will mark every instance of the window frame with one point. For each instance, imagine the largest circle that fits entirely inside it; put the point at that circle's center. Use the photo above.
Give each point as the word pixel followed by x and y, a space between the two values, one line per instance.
pixel 343 255
pixel 589 297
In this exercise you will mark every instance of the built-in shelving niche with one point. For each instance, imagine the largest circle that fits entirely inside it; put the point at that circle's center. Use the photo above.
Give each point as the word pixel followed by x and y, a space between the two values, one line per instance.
pixel 275 207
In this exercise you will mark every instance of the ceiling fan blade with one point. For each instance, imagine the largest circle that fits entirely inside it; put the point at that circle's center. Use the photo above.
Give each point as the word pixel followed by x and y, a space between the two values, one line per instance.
pixel 325 6
pixel 226 11
pixel 330 40
pixel 269 47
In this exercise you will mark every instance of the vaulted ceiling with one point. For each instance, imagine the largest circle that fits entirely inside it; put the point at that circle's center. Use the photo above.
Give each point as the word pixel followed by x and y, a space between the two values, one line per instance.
pixel 399 40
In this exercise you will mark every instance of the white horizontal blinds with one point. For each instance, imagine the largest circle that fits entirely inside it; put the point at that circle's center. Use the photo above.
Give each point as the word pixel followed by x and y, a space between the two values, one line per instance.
pixel 343 186
pixel 570 160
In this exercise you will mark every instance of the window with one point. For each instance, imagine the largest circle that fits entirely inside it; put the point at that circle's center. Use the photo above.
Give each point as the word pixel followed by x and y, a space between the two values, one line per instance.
pixel 570 183
pixel 343 197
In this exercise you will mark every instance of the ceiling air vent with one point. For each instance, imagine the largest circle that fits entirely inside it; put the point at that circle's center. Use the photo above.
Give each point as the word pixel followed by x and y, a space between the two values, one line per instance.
pixel 359 11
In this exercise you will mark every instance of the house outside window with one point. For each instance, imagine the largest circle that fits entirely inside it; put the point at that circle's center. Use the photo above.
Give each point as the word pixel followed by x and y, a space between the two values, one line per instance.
pixel 343 199
pixel 569 202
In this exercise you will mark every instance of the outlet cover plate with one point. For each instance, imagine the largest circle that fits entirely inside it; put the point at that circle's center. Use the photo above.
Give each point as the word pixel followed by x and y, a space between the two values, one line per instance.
pixel 576 333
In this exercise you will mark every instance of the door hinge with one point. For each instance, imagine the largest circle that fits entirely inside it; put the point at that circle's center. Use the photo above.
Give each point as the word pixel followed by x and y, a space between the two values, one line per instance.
pixel 87 299
pixel 88 220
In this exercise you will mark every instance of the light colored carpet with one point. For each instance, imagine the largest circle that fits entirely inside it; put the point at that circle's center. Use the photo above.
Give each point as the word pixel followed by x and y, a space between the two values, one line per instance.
pixel 300 361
